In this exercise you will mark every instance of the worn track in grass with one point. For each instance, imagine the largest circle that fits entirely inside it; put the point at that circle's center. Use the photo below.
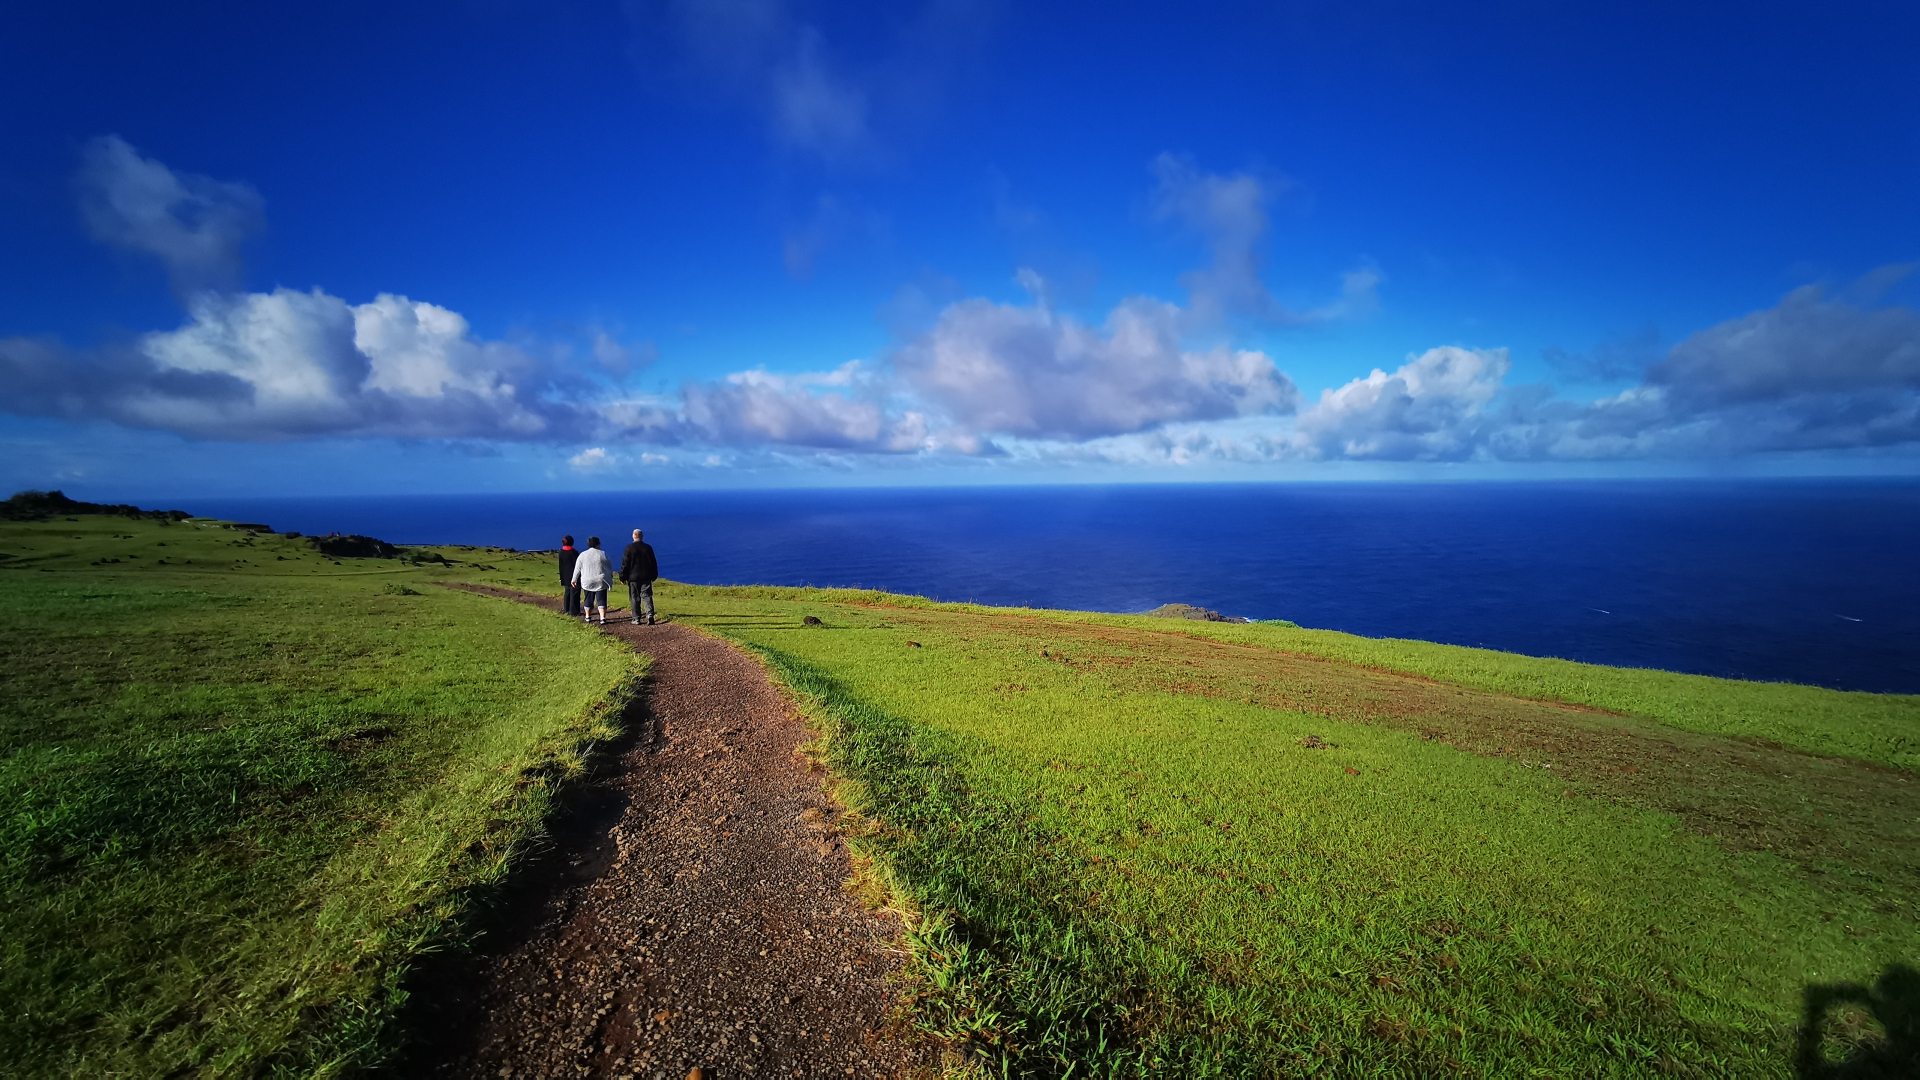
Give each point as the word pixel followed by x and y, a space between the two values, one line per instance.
pixel 702 921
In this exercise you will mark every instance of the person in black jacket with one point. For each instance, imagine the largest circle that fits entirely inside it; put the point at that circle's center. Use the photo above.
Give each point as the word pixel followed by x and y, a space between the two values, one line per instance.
pixel 638 568
pixel 570 602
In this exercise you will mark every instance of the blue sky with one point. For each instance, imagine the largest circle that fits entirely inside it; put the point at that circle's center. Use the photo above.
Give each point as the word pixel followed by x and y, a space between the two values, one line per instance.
pixel 512 246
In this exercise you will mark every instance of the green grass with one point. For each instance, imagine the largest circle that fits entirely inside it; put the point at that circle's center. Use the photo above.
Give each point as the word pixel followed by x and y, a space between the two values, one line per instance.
pixel 1879 728
pixel 238 791
pixel 242 785
pixel 1128 858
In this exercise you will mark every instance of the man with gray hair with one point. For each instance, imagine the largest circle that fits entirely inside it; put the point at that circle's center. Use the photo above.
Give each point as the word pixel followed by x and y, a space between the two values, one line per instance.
pixel 639 569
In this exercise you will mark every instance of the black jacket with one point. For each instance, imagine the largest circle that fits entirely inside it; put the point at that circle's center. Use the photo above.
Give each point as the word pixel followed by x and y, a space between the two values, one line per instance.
pixel 567 559
pixel 637 562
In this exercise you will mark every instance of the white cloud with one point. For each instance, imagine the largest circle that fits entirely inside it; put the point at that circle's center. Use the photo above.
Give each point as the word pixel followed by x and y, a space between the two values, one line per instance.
pixel 1810 373
pixel 592 459
pixel 194 225
pixel 1813 372
pixel 1809 346
pixel 996 369
pixel 287 364
pixel 1431 409
pixel 838 410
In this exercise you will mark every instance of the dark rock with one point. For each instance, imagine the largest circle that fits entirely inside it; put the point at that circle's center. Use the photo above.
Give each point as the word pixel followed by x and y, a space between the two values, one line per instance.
pixel 1189 611
pixel 353 546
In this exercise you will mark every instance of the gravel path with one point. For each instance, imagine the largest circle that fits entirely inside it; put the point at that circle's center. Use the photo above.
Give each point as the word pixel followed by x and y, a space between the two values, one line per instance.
pixel 697 919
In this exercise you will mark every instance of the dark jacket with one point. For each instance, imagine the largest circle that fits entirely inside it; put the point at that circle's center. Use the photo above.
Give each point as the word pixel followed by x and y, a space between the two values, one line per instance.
pixel 567 559
pixel 637 562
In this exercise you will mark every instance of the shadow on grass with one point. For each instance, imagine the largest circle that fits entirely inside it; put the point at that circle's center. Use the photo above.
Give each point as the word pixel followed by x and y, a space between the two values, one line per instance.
pixel 1835 1015
pixel 440 1021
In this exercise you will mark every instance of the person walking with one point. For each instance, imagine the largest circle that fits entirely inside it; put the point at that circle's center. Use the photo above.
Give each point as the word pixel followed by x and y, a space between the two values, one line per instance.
pixel 593 573
pixel 570 600
pixel 639 569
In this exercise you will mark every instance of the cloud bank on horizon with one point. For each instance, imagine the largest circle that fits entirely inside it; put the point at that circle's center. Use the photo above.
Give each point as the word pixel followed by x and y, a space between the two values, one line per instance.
pixel 1154 381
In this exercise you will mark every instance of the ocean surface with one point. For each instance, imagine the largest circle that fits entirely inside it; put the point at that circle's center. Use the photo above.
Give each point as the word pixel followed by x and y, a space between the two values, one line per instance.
pixel 1797 581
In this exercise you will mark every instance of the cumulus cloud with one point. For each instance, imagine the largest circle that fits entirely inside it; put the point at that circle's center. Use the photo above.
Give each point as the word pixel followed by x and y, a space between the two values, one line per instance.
pixel 1809 345
pixel 1229 211
pixel 1810 373
pixel 1814 372
pixel 1026 371
pixel 194 225
pixel 1431 409
pixel 836 410
pixel 288 364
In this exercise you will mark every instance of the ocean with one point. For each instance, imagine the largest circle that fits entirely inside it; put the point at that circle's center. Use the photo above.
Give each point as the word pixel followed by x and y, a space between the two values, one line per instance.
pixel 1796 581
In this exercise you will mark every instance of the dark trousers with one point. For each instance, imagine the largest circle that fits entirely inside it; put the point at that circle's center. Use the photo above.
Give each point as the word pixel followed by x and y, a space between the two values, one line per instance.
pixel 570 604
pixel 640 593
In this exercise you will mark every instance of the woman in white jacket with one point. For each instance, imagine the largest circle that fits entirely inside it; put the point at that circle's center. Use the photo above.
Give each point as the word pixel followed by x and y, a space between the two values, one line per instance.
pixel 594 574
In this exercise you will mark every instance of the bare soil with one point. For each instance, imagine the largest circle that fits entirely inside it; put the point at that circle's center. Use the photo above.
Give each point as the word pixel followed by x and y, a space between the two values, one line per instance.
pixel 693 913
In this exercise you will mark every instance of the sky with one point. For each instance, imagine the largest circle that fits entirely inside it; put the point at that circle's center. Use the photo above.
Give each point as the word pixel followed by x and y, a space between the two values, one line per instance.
pixel 356 248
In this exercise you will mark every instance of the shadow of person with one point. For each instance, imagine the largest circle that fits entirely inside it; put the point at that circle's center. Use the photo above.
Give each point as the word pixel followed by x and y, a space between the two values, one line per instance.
pixel 1893 1000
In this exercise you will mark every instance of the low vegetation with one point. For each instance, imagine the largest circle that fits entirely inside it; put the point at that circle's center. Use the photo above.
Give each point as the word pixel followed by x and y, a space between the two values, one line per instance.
pixel 244 780
pixel 243 783
pixel 1205 849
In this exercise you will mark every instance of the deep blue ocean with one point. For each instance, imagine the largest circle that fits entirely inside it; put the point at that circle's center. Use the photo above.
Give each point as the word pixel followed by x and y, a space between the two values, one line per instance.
pixel 1798 581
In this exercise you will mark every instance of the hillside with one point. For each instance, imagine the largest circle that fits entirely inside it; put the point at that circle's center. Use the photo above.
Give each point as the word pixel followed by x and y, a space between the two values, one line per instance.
pixel 1213 849
pixel 243 784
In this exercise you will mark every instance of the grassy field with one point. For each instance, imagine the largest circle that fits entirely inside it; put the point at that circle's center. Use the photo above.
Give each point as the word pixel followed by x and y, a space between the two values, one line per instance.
pixel 242 784
pixel 1198 849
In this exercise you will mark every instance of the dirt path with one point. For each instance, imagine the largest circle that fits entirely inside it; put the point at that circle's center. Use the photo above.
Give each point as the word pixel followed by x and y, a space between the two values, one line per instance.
pixel 702 921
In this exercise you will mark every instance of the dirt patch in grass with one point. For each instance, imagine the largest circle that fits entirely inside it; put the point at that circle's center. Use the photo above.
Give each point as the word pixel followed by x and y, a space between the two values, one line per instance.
pixel 1826 814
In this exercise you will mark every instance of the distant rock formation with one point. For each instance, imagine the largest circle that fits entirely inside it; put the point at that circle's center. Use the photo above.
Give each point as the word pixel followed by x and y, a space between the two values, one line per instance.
pixel 1189 611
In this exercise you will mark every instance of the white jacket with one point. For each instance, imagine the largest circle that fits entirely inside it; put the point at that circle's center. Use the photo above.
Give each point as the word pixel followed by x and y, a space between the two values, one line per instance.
pixel 594 571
